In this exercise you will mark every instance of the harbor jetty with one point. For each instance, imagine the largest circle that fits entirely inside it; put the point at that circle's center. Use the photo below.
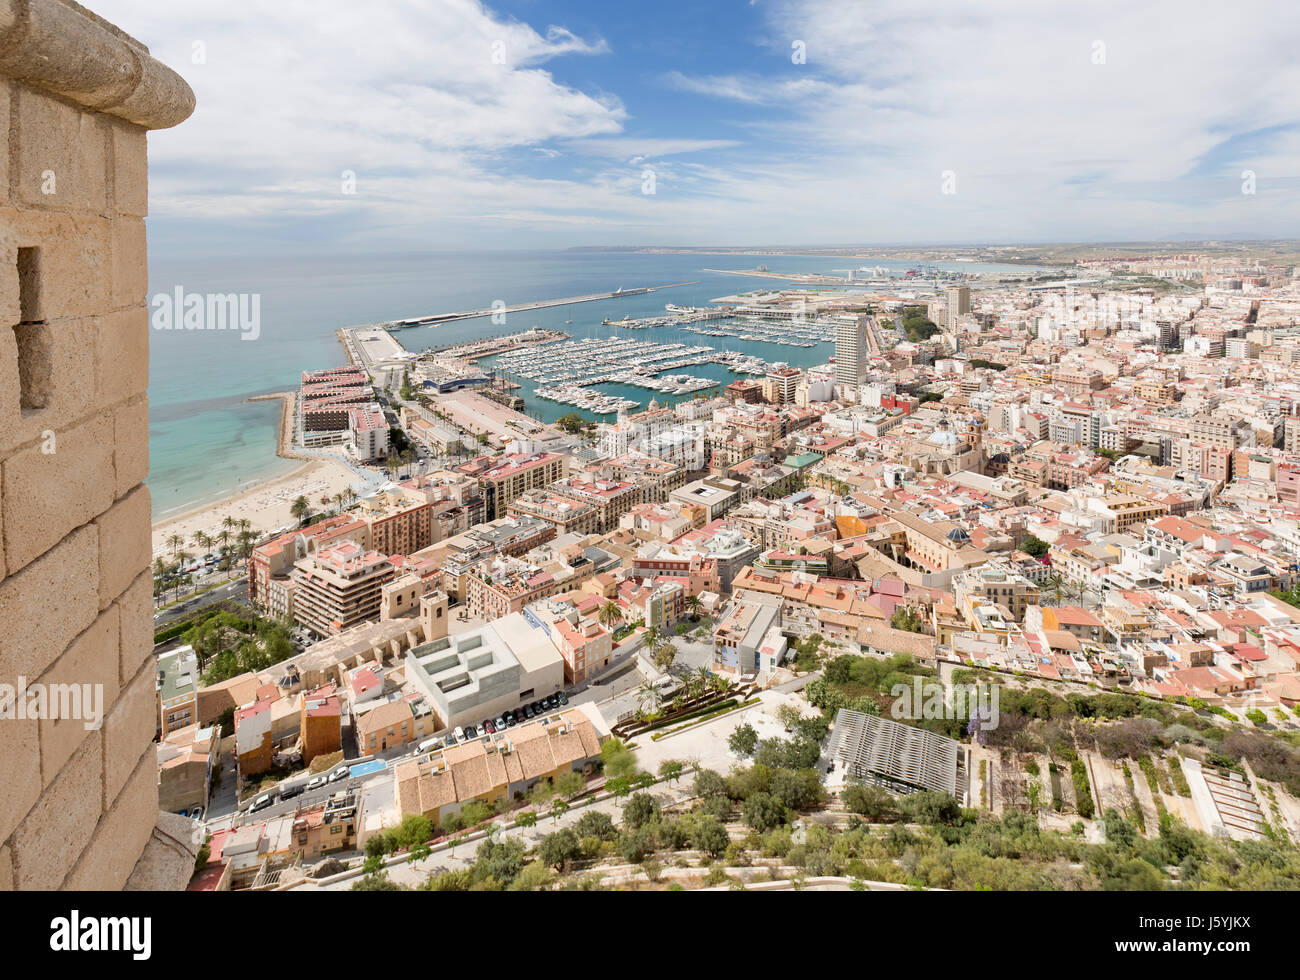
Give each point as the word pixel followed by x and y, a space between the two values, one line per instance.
pixel 435 318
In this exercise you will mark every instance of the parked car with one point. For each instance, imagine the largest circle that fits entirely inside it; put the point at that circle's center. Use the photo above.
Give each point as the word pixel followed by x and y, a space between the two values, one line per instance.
pixel 551 703
pixel 562 698
pixel 519 716
pixel 196 813
pixel 449 741
pixel 528 711
pixel 488 726
pixel 458 734
pixel 341 772
pixel 471 731
pixel 317 783
pixel 289 792
pixel 501 724
pixel 261 803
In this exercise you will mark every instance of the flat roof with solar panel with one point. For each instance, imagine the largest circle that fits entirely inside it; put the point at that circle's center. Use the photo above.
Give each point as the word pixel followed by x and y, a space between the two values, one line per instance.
pixel 898 757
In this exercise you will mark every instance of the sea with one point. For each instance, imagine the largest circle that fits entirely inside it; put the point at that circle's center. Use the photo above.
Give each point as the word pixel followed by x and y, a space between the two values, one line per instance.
pixel 208 441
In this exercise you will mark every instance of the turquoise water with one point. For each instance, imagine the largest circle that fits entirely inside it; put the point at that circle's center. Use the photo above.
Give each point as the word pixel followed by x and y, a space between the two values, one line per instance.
pixel 206 441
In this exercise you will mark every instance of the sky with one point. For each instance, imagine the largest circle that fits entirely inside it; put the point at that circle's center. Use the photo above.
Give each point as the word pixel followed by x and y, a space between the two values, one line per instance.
pixel 461 125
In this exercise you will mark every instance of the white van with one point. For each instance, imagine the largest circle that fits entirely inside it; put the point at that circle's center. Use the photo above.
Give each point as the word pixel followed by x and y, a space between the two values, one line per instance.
pixel 459 734
pixel 428 745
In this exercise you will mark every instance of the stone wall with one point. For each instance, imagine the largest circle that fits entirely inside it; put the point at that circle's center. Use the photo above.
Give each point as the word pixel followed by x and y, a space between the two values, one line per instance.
pixel 77 97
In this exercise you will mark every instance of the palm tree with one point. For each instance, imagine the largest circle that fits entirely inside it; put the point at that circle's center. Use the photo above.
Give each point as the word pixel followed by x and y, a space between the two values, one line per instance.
pixel 609 614
pixel 1055 586
pixel 175 542
pixel 201 540
pixel 648 693
pixel 300 509
pixel 653 637
pixel 182 559
pixel 693 606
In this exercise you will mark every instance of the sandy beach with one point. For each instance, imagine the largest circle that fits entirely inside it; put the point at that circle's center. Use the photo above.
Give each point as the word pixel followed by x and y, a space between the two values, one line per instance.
pixel 265 506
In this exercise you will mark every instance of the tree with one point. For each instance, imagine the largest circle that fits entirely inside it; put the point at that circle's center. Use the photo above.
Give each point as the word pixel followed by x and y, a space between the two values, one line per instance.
pixel 907 619
pixel 710 837
pixel 664 656
pixel 619 787
pixel 635 845
pixel 571 783
pixel 558 809
pixel 709 783
pixel 414 829
pixel 609 614
pixel 762 811
pixel 300 509
pixel 671 770
pixel 640 809
pixel 526 819
pixel 1034 546
pixel 743 740
pixel 789 716
pixel 648 693
pixel 619 760
pixel 559 848
pixel 869 801
pixel 693 606
pixel 595 823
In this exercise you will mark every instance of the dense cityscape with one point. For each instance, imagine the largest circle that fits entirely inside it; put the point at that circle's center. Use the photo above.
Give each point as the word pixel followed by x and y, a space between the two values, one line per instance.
pixel 592 450
pixel 676 646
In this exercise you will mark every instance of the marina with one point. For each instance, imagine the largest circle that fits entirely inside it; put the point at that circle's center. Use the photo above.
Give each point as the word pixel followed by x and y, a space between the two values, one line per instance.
pixel 566 372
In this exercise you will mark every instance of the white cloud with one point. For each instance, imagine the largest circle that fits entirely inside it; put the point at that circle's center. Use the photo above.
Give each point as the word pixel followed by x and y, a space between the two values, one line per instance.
pixel 444 137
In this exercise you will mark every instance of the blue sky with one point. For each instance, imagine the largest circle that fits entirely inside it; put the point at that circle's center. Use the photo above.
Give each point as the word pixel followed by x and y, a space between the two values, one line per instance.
pixel 522 124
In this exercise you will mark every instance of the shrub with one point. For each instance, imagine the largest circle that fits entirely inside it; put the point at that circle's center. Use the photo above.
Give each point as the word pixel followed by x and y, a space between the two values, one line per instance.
pixel 1082 789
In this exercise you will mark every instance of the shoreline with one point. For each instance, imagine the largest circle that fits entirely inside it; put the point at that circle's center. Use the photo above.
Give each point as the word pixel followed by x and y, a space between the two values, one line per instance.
pixel 265 504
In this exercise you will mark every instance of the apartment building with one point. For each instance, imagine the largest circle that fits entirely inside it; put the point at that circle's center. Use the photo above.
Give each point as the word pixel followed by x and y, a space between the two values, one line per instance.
pixel 178 685
pixel 503 478
pixel 185 759
pixel 339 587
pixel 269 566
pixel 327 398
pixel 397 519
pixel 958 302
pixel 742 632
pixel 507 585
pixel 368 434
pixel 851 351
pixel 780 384
pixel 611 498
pixel 564 513
pixel 994 584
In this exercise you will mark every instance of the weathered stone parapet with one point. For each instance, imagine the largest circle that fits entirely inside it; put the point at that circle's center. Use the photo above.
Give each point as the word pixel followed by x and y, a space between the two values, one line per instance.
pixel 61 47
pixel 77 96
